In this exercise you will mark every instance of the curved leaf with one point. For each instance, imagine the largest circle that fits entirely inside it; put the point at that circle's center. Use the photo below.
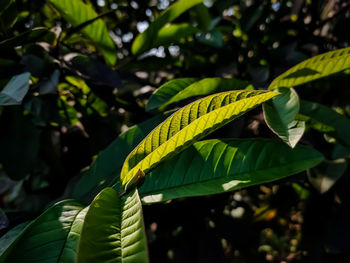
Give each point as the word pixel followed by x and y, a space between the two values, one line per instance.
pixel 173 33
pixel 11 236
pixel 314 68
pixel 146 39
pixel 189 124
pixel 113 230
pixel 216 166
pixel 280 115
pixel 329 117
pixel 15 90
pixel 52 237
pixel 77 12
pixel 179 89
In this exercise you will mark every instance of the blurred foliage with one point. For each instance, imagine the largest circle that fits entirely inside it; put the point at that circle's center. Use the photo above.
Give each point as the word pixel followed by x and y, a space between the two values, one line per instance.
pixel 84 82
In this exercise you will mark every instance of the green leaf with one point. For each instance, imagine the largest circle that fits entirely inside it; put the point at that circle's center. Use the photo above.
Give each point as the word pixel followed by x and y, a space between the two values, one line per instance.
pixel 39 34
pixel 216 166
pixel 189 124
pixel 146 39
pixel 180 89
pixel 113 230
pixel 10 237
pixel 52 237
pixel 173 33
pixel 109 162
pixel 15 90
pixel 328 116
pixel 325 175
pixel 314 68
pixel 280 113
pixel 77 12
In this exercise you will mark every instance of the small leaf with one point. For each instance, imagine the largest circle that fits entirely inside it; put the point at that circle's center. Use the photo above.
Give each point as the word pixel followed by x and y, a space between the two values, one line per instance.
pixel 180 89
pixel 326 174
pixel 216 166
pixel 328 116
pixel 113 230
pixel 188 125
pixel 77 12
pixel 280 113
pixel 15 90
pixel 146 39
pixel 10 237
pixel 314 68
pixel 52 237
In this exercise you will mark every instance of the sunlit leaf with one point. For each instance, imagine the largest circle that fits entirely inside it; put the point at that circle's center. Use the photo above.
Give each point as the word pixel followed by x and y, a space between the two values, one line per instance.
pixel 216 166
pixel 188 125
pixel 77 12
pixel 173 33
pixel 314 68
pixel 113 230
pixel 146 39
pixel 280 115
pixel 52 237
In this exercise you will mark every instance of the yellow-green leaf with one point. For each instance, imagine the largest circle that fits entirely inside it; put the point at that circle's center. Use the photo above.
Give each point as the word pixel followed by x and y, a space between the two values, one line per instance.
pixel 188 125
pixel 77 12
pixel 314 68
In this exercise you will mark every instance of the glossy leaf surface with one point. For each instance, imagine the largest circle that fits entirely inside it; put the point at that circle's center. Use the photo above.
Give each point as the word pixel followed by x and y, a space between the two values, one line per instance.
pixel 188 125
pixel 280 115
pixel 113 230
pixel 216 166
pixel 314 68
pixel 52 237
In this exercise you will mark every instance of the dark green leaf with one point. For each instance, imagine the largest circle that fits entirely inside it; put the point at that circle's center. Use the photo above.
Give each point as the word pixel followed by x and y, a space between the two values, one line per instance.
pixel 326 115
pixel 38 34
pixel 216 166
pixel 52 237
